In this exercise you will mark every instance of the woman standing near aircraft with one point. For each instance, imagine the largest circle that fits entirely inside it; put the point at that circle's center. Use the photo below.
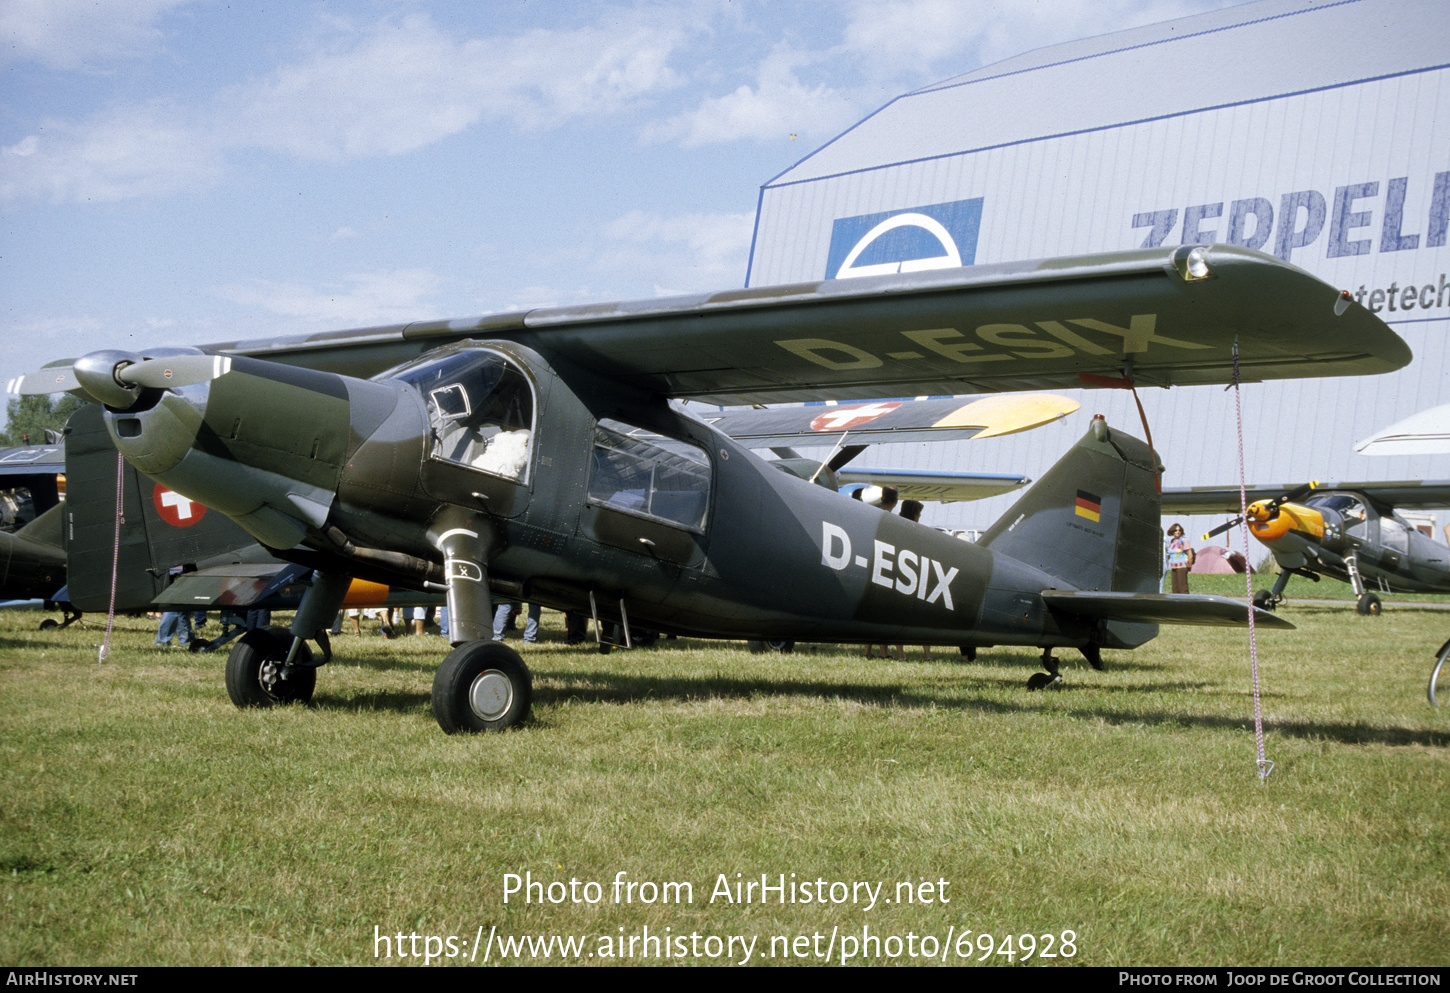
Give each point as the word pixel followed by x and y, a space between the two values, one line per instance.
pixel 1180 557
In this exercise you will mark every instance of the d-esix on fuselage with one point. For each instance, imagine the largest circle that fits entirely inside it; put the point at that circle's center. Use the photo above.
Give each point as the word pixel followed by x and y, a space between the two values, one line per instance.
pixel 537 454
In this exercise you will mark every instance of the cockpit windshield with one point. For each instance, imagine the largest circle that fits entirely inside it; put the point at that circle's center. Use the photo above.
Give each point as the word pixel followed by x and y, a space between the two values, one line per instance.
pixel 1346 504
pixel 480 410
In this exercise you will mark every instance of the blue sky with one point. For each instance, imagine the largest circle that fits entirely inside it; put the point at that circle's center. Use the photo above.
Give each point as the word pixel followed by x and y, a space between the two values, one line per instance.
pixel 182 171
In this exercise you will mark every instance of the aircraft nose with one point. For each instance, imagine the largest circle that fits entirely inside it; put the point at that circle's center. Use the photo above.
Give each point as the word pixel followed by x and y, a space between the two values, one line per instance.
pixel 260 442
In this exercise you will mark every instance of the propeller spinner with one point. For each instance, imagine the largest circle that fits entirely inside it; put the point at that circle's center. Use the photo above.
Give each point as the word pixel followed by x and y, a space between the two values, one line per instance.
pixel 116 378
pixel 1264 510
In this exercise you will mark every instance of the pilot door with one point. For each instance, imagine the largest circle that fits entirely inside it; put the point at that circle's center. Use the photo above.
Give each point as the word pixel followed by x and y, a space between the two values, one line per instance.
pixel 482 424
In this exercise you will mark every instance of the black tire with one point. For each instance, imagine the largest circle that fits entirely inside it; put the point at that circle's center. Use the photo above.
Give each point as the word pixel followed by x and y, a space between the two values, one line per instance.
pixel 1370 605
pixel 482 686
pixel 758 645
pixel 1264 600
pixel 255 671
pixel 197 645
pixel 49 624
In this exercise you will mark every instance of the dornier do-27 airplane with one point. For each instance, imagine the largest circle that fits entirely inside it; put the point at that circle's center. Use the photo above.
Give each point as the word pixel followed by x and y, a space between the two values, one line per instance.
pixel 1346 531
pixel 537 454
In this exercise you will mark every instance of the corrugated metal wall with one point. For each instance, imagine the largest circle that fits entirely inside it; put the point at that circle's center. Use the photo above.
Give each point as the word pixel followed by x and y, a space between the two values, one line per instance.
pixel 1343 138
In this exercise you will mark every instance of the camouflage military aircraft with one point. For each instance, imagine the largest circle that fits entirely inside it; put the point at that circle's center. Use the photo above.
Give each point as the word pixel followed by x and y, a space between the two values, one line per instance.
pixel 536 454
pixel 1346 531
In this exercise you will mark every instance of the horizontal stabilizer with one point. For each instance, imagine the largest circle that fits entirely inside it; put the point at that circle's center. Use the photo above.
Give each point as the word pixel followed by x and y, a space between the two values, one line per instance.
pixel 239 585
pixel 933 487
pixel 1161 608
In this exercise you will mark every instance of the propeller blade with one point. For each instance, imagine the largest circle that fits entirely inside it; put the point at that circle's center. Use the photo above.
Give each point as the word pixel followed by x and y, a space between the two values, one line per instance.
pixel 172 371
pixel 1295 494
pixel 845 455
pixel 1222 528
pixel 52 379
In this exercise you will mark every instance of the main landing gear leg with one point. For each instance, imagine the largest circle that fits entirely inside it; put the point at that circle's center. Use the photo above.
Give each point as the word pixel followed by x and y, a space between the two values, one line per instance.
pixel 482 685
pixel 1270 599
pixel 274 665
pixel 1042 680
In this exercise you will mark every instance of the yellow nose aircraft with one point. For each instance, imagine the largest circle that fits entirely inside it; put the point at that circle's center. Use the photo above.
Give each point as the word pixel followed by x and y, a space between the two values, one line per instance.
pixel 1347 531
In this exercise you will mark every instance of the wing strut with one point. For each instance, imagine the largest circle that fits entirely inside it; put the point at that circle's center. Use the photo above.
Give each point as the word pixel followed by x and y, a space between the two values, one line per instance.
pixel 1125 382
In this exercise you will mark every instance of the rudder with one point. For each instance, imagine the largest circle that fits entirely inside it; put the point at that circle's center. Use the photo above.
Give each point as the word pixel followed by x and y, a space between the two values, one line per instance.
pixel 1093 520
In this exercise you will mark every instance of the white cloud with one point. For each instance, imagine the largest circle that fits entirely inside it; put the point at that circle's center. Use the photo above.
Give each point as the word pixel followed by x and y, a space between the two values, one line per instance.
pixel 361 299
pixel 958 36
pixel 403 85
pixel 683 254
pixel 142 150
pixel 777 106
pixel 69 34
pixel 391 88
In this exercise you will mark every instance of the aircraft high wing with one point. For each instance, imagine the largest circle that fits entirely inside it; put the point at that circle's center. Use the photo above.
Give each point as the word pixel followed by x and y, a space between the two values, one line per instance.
pixel 537 455
pixel 1164 317
pixel 1425 433
pixel 1346 531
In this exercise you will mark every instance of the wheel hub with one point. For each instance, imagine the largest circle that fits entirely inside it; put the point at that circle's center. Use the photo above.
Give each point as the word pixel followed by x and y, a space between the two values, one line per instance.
pixel 490 695
pixel 268 675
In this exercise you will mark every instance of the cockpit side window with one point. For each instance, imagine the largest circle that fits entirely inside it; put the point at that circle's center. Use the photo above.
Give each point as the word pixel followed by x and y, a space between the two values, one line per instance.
pixel 646 474
pixel 480 411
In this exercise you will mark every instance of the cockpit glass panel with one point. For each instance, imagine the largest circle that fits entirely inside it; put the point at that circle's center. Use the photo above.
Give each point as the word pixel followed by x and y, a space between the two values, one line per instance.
pixel 643 473
pixel 1342 502
pixel 17 508
pixel 480 411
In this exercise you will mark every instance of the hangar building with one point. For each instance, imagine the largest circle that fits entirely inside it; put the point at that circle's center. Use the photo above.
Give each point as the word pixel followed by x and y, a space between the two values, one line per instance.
pixel 1316 131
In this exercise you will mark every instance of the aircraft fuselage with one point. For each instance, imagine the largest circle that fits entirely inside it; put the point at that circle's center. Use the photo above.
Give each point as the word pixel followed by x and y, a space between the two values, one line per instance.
pixel 563 489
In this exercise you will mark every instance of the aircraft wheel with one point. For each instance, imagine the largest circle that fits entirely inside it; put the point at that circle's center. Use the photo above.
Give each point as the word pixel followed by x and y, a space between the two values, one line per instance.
pixel 197 645
pixel 49 624
pixel 1264 600
pixel 1370 605
pixel 482 686
pixel 255 670
pixel 771 645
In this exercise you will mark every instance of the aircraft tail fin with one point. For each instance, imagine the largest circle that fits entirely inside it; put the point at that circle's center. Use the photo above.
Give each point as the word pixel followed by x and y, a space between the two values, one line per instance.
pixel 150 545
pixel 1093 519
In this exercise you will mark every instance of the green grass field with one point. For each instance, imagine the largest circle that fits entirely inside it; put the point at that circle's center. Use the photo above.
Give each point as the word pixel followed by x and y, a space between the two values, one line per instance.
pixel 146 821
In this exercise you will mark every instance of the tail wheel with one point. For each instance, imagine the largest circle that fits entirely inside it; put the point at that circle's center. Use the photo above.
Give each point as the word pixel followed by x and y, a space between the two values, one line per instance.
pixel 482 686
pixel 257 673
pixel 1369 605
pixel 1265 600
pixel 776 645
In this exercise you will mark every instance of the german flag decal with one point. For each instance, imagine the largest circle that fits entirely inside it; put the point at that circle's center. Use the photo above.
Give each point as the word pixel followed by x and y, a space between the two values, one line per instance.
pixel 1088 505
